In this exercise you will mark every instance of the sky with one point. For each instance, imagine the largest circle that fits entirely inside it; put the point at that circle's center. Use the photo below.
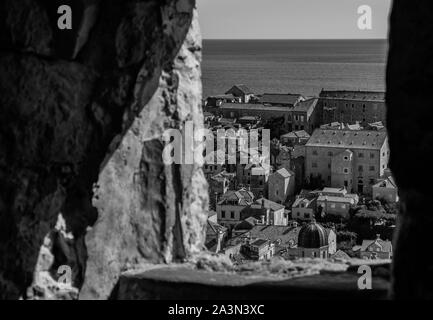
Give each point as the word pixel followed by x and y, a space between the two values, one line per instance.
pixel 290 19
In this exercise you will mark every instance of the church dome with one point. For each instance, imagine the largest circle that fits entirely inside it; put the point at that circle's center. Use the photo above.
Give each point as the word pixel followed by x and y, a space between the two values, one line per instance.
pixel 312 235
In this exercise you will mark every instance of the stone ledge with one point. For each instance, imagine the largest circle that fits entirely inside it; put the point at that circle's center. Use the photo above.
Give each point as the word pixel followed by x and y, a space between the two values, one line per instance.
pixel 182 282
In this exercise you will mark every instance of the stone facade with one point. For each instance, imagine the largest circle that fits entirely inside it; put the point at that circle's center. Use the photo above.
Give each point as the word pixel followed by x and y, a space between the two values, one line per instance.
pixel 281 185
pixel 366 163
pixel 352 106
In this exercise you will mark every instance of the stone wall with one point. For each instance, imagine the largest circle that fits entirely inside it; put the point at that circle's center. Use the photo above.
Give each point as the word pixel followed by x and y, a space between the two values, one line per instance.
pixel 409 84
pixel 82 181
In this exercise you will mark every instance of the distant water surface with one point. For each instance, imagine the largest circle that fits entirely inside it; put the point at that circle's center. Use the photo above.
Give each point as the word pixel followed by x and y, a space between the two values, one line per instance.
pixel 295 66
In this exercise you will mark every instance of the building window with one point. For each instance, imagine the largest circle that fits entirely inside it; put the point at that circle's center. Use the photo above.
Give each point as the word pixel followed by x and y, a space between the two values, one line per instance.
pixel 223 214
pixel 360 155
pixel 371 181
pixel 330 153
pixel 371 155
pixel 346 158
pixel 372 168
pixel 314 165
pixel 343 206
pixel 329 166
pixel 360 168
pixel 346 184
pixel 232 214
pixel 315 153
pixel 332 205
pixel 346 170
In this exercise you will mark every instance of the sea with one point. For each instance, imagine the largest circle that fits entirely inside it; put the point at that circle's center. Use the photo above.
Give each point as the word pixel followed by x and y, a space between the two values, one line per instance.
pixel 293 66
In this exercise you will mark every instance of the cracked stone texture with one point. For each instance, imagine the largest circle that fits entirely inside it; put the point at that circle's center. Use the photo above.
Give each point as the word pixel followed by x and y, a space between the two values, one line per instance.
pixel 409 84
pixel 82 115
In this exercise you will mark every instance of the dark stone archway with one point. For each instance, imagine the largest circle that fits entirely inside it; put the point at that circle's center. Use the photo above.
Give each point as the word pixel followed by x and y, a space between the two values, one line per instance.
pixel 409 102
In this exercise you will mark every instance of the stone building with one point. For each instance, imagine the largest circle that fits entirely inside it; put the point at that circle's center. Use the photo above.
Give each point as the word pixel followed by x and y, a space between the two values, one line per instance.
pixel 351 106
pixel 314 241
pixel 241 91
pixel 267 211
pixel 294 138
pixel 258 249
pixel 254 176
pixel 283 237
pixel 353 159
pixel 386 189
pixel 304 208
pixel 230 206
pixel 305 115
pixel 217 100
pixel 216 235
pixel 219 184
pixel 239 110
pixel 375 249
pixel 281 185
pixel 337 205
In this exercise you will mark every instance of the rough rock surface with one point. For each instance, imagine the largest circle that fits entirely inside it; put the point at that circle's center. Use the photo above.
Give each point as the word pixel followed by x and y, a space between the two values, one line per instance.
pixel 409 85
pixel 277 280
pixel 82 114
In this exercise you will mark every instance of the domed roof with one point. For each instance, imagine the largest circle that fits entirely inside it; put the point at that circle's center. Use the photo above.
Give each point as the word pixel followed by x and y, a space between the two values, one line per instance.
pixel 312 235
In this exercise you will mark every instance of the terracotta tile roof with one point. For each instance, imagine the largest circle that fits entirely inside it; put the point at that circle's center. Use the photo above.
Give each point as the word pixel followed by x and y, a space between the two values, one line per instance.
pixel 242 87
pixel 267 204
pixel 341 255
pixel 347 139
pixel 284 173
pixel 378 96
pixel 387 183
pixel 252 106
pixel 296 134
pixel 386 245
pixel 336 199
pixel 287 235
pixel 307 106
pixel 242 197
pixel 280 98
pixel 259 242
pixel 307 202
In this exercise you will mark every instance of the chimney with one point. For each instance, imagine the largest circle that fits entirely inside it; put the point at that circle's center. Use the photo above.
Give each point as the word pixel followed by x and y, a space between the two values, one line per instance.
pixel 378 236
